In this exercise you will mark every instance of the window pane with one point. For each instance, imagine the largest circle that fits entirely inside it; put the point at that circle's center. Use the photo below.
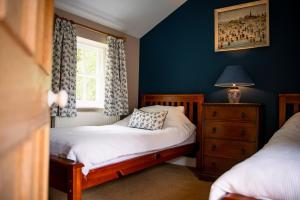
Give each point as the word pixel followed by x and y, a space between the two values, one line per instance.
pixel 90 59
pixel 86 59
pixel 90 67
pixel 91 89
pixel 79 87
pixel 80 61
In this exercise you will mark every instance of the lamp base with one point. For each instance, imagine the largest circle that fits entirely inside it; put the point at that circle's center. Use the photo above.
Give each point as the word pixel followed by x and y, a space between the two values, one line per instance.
pixel 234 95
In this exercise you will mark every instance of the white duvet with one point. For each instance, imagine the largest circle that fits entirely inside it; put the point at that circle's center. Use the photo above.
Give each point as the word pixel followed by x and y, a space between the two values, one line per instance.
pixel 271 173
pixel 92 145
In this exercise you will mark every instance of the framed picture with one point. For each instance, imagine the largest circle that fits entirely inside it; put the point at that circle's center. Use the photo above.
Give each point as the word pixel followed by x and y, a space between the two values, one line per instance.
pixel 242 26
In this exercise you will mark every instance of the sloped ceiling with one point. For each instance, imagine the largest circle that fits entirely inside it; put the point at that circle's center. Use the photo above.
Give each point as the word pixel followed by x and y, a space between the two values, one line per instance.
pixel 133 17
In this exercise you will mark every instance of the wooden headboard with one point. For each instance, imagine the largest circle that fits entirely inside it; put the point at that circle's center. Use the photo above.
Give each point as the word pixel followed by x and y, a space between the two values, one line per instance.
pixel 192 104
pixel 286 100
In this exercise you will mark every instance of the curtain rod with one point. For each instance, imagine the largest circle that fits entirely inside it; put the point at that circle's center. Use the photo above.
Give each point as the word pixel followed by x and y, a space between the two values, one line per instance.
pixel 91 29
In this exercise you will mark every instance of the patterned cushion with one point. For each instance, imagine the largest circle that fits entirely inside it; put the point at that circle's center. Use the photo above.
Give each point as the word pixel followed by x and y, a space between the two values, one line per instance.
pixel 147 120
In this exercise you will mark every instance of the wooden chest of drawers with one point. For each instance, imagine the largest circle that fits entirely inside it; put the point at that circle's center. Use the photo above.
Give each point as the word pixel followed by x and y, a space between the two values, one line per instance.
pixel 230 134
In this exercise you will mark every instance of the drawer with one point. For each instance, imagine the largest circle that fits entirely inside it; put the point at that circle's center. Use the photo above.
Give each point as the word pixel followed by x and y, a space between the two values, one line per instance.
pixel 229 130
pixel 229 149
pixel 231 112
pixel 217 166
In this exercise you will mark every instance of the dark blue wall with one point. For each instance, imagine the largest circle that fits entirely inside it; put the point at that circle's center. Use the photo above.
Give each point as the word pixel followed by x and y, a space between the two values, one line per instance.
pixel 177 56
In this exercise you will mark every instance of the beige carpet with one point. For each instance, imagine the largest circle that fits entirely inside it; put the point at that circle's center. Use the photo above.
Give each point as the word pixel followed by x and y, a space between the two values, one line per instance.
pixel 162 182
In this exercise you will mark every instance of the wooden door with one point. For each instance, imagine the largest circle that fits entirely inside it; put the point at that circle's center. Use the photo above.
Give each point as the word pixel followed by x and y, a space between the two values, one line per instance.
pixel 25 65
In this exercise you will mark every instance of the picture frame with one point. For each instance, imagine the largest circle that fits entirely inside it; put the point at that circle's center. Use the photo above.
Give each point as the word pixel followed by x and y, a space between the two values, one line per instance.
pixel 242 26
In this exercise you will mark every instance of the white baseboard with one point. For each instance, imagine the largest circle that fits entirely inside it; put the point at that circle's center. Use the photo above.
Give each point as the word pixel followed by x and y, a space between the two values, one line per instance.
pixel 184 161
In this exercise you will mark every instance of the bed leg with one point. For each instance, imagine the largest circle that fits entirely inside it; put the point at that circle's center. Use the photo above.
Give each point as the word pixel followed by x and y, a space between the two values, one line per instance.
pixel 75 180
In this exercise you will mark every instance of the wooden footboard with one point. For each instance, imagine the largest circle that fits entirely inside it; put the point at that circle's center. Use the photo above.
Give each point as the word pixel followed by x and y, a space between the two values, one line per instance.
pixel 66 175
pixel 236 197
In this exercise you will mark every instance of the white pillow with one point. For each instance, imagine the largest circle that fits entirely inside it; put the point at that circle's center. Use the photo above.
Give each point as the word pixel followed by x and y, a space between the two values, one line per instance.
pixel 147 120
pixel 157 108
pixel 175 118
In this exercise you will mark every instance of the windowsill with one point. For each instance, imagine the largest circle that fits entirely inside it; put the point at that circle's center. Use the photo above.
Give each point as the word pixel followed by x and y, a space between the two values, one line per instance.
pixel 90 109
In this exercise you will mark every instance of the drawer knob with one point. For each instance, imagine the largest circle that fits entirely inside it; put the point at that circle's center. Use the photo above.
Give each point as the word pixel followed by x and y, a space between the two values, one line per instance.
pixel 213 147
pixel 243 151
pixel 214 129
pixel 243 115
pixel 214 114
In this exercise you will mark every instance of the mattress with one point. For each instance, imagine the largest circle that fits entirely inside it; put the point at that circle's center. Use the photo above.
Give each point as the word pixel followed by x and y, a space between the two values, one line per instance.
pixel 190 140
pixel 96 146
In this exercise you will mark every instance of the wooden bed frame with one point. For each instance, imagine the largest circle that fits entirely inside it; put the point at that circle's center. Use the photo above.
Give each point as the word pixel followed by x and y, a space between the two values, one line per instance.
pixel 285 100
pixel 66 175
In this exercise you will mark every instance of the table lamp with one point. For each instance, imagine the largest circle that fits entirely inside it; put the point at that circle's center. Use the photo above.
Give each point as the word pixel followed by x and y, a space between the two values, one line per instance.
pixel 234 76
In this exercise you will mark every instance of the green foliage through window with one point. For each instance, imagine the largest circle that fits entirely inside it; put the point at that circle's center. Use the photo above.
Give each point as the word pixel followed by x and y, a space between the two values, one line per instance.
pixel 89 72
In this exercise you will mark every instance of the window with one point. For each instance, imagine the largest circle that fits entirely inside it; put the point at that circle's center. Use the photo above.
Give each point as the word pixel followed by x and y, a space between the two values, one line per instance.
pixel 90 73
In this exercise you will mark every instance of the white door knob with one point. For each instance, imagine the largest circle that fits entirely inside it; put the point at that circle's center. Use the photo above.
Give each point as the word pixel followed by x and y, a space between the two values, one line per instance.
pixel 60 99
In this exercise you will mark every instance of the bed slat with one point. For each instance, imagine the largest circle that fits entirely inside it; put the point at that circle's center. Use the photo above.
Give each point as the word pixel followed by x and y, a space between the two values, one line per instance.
pixel 185 108
pixel 187 100
pixel 191 111
pixel 296 108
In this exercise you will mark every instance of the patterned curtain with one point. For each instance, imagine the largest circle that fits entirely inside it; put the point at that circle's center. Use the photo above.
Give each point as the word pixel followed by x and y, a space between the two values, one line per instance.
pixel 116 93
pixel 64 66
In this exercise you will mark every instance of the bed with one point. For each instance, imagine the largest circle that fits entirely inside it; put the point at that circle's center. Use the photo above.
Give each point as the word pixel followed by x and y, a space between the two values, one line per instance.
pixel 72 176
pixel 274 171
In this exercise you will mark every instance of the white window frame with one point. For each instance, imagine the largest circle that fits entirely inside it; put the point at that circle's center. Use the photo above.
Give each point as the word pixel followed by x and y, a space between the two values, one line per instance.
pixel 99 76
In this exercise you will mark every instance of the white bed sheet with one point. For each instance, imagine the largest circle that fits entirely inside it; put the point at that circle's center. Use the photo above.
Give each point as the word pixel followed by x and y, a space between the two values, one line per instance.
pixel 271 173
pixel 190 140
pixel 94 145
